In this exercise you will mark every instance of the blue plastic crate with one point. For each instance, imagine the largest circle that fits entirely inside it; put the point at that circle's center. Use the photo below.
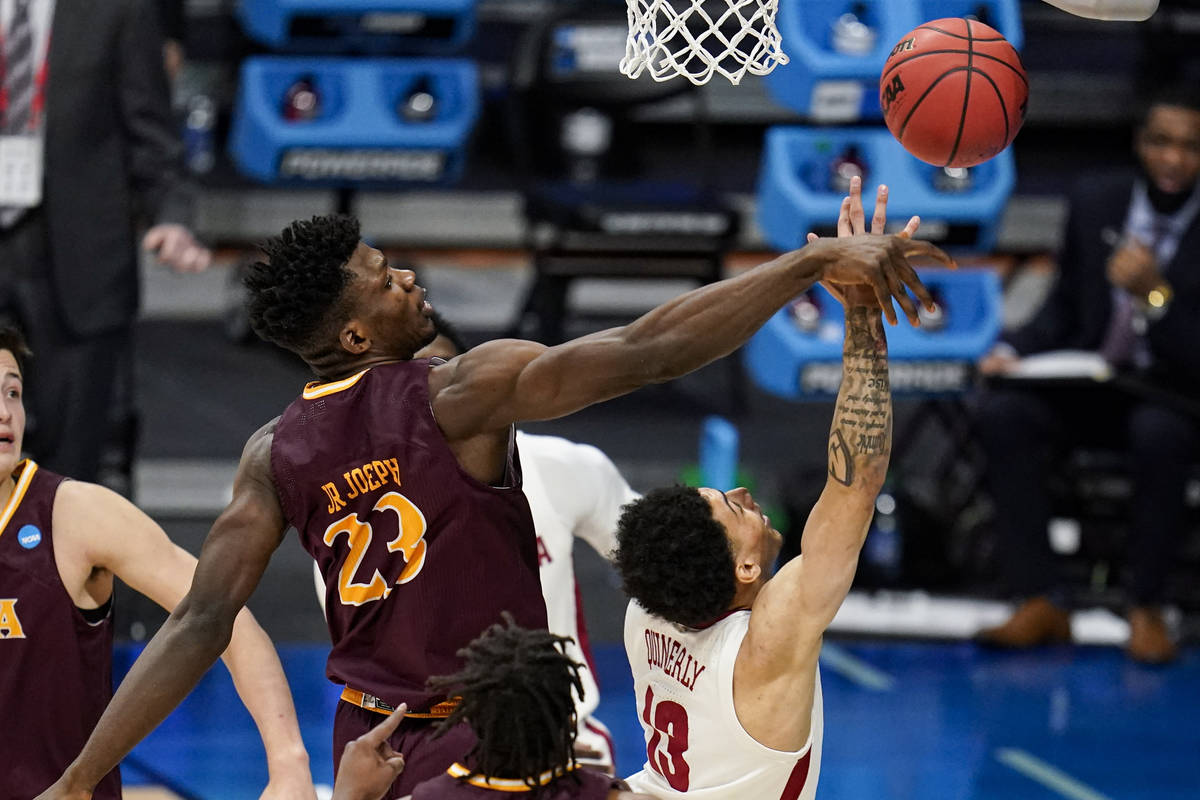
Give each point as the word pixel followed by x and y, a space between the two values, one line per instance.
pixel 794 196
pixel 359 26
pixel 829 86
pixel 358 139
pixel 791 363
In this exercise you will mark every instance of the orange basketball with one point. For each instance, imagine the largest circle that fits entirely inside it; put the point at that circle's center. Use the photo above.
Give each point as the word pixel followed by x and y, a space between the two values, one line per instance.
pixel 953 92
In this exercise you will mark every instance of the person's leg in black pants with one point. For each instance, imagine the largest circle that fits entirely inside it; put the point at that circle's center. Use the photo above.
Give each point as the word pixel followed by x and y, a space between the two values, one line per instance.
pixel 1164 443
pixel 71 378
pixel 1018 431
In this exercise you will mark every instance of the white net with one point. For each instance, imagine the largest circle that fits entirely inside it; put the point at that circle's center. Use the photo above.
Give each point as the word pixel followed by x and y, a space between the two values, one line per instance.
pixel 700 38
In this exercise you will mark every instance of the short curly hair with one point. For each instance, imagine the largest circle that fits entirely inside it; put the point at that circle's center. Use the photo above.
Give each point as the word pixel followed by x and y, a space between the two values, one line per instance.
pixel 296 296
pixel 674 557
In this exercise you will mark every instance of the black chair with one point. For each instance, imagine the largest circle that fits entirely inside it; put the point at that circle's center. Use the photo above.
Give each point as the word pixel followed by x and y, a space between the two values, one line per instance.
pixel 597 205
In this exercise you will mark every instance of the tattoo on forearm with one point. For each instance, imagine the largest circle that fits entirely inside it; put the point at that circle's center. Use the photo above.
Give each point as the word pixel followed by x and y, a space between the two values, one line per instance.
pixel 861 433
pixel 841 467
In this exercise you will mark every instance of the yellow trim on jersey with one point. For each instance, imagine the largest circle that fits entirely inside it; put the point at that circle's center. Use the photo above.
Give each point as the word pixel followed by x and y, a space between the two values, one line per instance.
pixel 27 468
pixel 457 770
pixel 314 390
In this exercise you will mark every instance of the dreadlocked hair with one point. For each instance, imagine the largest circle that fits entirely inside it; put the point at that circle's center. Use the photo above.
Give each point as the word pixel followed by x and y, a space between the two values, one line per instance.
pixel 296 295
pixel 515 694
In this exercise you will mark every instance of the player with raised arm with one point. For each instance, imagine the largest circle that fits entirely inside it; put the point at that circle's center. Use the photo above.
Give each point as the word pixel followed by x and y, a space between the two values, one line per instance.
pixel 402 477
pixel 724 656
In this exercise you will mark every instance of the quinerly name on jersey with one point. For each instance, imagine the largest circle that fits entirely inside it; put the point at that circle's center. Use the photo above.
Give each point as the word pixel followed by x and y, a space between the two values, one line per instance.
pixel 673 659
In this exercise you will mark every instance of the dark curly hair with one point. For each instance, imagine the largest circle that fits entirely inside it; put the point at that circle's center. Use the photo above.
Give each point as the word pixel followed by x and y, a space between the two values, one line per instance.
pixel 12 340
pixel 296 295
pixel 516 695
pixel 674 557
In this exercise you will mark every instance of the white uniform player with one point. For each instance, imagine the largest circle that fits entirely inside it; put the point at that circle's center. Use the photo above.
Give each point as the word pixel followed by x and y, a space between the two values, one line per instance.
pixel 723 652
pixel 695 745
pixel 574 490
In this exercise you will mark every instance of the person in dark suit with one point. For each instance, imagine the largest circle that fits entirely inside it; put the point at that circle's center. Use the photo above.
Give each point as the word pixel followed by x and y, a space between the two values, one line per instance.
pixel 1129 288
pixel 85 114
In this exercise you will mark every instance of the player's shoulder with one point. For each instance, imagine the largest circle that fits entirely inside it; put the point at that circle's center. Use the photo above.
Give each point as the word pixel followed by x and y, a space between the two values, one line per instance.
pixel 82 497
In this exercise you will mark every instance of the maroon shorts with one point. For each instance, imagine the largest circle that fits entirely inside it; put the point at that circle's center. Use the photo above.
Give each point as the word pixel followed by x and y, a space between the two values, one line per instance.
pixel 424 756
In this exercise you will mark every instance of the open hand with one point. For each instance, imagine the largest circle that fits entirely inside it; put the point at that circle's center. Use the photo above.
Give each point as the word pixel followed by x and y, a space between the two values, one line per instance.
pixel 876 263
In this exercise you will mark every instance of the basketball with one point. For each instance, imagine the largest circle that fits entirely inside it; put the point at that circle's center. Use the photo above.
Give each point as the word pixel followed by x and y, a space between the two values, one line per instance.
pixel 953 92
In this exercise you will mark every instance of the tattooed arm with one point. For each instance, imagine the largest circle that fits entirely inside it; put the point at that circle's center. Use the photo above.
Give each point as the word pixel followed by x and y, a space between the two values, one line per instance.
pixel 774 674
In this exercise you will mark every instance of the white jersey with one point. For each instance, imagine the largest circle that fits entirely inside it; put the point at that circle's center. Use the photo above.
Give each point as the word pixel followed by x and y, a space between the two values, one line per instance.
pixel 573 490
pixel 695 745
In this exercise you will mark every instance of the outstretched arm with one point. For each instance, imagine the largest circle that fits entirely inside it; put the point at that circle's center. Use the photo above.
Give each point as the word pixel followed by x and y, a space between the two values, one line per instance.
pixel 777 661
pixel 499 383
pixel 199 629
pixel 111 533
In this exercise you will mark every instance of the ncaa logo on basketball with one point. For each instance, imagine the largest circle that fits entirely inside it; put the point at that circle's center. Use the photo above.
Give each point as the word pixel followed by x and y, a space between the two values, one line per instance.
pixel 892 91
pixel 29 537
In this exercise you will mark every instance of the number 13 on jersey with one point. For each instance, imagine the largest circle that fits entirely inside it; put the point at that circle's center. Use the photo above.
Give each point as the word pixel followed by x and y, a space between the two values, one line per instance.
pixel 667 722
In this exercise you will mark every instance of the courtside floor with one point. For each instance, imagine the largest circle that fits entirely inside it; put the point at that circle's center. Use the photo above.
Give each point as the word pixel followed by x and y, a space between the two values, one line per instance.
pixel 936 721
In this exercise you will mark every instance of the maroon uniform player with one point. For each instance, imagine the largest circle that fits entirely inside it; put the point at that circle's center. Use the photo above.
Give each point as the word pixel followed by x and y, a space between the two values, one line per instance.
pixel 61 544
pixel 335 301
pixel 417 557
pixel 517 692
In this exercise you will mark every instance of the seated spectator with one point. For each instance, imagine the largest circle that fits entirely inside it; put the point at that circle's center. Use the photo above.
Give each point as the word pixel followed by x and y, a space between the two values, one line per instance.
pixel 1129 288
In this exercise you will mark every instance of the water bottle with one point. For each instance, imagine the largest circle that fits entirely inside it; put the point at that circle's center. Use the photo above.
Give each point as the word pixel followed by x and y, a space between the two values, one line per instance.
pixel 884 548
pixel 952 179
pixel 806 314
pixel 419 105
pixel 198 139
pixel 302 102
pixel 935 320
pixel 852 36
pixel 849 164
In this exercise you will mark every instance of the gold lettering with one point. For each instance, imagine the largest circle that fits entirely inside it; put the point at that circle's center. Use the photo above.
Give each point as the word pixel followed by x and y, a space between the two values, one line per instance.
pixel 335 500
pixel 10 626
pixel 393 466
pixel 380 470
pixel 352 493
pixel 360 480
pixel 369 476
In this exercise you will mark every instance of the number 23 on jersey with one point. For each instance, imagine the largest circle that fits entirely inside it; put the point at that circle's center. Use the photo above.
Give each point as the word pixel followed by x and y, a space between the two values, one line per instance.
pixel 409 542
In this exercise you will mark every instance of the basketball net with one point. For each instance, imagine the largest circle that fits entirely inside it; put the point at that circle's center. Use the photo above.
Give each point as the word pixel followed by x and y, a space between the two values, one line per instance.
pixel 699 38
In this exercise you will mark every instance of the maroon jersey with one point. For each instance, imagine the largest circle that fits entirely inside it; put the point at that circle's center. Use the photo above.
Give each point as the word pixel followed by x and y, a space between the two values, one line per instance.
pixel 591 785
pixel 418 557
pixel 56 673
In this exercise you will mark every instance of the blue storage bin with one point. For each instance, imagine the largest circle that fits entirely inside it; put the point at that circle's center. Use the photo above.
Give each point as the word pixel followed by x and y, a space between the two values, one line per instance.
pixel 365 26
pixel 794 196
pixel 831 86
pixel 358 139
pixel 790 363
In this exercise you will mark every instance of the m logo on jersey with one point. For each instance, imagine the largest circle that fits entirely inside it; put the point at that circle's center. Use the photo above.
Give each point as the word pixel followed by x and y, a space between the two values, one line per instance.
pixel 409 542
pixel 10 626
